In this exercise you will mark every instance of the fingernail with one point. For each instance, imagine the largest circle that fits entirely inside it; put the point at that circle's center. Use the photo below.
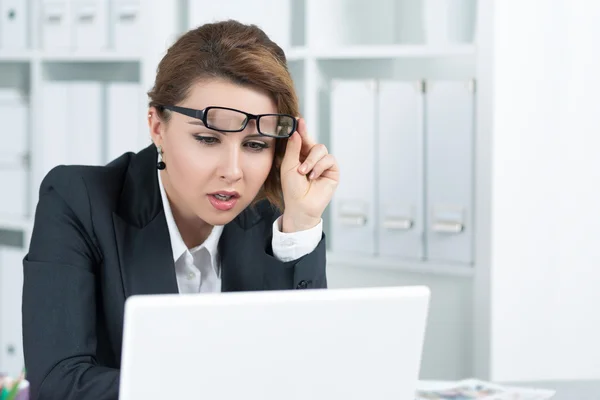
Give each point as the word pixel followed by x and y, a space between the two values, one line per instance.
pixel 311 176
pixel 303 168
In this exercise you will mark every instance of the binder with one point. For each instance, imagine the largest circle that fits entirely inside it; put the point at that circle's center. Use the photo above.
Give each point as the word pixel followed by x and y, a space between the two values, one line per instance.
pixel 15 176
pixel 14 134
pixel 123 117
pixel 90 22
pixel 353 110
pixel 11 287
pixel 125 25
pixel 86 116
pixel 275 19
pixel 400 169
pixel 53 139
pixel 56 27
pixel 13 24
pixel 13 157
pixel 450 109
pixel 72 115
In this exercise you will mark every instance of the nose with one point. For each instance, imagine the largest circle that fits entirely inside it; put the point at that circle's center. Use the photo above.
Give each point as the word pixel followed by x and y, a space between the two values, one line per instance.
pixel 230 170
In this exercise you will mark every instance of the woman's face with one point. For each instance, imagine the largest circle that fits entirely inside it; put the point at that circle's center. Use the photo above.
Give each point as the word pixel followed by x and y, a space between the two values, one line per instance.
pixel 211 175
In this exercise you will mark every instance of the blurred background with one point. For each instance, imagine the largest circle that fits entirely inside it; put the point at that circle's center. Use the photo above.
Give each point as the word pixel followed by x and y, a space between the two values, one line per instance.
pixel 467 133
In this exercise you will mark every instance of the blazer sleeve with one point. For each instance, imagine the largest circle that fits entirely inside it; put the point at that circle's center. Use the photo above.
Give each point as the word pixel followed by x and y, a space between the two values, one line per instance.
pixel 59 297
pixel 307 272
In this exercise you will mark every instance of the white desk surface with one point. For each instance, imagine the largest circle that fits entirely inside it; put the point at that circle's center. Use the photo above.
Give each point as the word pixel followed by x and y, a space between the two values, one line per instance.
pixel 565 390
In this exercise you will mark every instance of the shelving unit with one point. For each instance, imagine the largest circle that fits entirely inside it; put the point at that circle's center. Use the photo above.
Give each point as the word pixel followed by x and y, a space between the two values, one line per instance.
pixel 325 41
pixel 392 41
pixel 384 52
pixel 27 69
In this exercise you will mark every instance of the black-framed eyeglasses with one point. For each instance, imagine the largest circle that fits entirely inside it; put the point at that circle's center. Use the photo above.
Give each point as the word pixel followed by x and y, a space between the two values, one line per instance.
pixel 226 119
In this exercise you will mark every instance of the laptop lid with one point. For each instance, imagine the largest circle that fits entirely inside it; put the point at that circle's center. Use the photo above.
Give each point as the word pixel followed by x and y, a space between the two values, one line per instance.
pixel 320 344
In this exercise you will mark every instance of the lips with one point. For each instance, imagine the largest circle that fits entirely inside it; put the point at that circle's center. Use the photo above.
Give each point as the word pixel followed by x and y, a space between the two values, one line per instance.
pixel 223 200
pixel 225 195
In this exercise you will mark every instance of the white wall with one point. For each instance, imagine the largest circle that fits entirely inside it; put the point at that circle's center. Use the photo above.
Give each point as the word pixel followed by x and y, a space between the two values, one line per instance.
pixel 545 265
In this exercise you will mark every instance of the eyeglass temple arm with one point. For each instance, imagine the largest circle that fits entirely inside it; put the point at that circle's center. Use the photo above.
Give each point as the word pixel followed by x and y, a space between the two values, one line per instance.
pixel 190 112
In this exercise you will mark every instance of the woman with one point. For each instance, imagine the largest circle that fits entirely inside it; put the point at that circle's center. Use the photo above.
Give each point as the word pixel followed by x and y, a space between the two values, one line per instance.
pixel 228 197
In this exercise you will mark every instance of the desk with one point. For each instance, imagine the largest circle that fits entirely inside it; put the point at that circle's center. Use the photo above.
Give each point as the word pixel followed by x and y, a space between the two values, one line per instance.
pixel 567 390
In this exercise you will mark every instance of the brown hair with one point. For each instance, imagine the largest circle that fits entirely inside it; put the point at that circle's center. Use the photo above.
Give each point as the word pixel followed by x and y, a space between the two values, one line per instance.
pixel 242 54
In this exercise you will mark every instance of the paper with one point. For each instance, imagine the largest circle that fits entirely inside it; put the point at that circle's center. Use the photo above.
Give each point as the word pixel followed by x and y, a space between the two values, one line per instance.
pixel 475 389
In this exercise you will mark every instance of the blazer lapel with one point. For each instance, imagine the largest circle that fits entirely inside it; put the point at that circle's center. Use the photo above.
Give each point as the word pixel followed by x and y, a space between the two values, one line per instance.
pixel 146 258
pixel 141 231
pixel 240 249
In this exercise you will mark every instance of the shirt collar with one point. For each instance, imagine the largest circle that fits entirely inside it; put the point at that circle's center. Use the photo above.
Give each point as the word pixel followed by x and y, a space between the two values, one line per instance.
pixel 177 244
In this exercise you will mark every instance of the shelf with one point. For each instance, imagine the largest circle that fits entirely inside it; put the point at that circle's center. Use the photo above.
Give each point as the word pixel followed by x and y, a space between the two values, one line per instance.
pixel 17 224
pixel 392 52
pixel 20 56
pixel 91 57
pixel 292 54
pixel 390 264
pixel 74 57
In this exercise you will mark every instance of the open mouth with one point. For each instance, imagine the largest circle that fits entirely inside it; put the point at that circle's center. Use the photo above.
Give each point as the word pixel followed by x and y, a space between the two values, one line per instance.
pixel 223 201
pixel 222 197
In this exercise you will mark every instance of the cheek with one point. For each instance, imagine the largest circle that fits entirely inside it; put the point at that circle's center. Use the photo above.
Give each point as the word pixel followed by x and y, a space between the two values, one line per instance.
pixel 190 166
pixel 257 167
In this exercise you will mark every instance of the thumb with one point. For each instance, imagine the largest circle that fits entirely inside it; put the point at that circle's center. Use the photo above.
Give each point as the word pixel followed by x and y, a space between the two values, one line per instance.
pixel 291 159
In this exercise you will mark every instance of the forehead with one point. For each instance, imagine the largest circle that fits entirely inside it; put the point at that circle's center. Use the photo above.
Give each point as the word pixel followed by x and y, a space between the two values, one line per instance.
pixel 218 92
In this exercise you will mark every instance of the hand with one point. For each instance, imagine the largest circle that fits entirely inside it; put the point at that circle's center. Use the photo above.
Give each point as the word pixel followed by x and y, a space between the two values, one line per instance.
pixel 309 177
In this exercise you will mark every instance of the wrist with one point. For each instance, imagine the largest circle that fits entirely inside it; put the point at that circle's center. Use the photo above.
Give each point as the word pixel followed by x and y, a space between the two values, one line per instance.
pixel 291 223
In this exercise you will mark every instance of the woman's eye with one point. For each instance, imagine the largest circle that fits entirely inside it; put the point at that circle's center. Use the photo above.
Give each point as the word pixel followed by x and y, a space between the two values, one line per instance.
pixel 256 146
pixel 208 140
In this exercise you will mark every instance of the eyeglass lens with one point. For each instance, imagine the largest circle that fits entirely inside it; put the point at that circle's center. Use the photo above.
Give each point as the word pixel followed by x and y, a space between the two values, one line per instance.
pixel 231 121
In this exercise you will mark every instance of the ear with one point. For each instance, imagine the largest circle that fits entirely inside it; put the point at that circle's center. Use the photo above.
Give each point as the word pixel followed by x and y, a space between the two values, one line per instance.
pixel 156 126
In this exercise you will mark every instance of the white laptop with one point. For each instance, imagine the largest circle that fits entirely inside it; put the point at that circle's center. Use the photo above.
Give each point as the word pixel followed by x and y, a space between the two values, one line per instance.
pixel 319 344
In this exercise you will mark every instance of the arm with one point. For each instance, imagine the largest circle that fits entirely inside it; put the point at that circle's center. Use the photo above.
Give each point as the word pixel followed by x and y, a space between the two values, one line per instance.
pixel 295 260
pixel 309 177
pixel 290 246
pixel 59 298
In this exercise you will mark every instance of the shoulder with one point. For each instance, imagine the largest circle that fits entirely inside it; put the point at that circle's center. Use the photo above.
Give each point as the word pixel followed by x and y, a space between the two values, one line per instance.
pixel 127 187
pixel 76 183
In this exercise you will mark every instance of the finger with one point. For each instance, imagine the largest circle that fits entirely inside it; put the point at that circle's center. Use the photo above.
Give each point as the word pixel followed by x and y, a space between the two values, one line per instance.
pixel 324 164
pixel 291 158
pixel 316 153
pixel 307 141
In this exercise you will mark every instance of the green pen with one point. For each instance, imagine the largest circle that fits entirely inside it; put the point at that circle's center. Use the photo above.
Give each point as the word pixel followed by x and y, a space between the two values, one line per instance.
pixel 12 395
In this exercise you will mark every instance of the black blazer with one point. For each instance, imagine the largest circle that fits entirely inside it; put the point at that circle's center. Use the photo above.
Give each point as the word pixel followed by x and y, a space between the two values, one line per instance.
pixel 100 236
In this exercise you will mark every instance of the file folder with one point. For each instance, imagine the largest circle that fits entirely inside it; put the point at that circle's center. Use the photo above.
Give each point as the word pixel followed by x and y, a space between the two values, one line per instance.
pixel 400 169
pixel 14 155
pixel 73 123
pixel 450 110
pixel 11 284
pixel 14 175
pixel 90 22
pixel 124 118
pixel 14 114
pixel 55 25
pixel 125 25
pixel 86 117
pixel 275 19
pixel 14 16
pixel 55 127
pixel 353 109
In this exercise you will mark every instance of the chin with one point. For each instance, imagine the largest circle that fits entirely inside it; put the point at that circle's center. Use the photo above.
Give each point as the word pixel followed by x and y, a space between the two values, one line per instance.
pixel 215 217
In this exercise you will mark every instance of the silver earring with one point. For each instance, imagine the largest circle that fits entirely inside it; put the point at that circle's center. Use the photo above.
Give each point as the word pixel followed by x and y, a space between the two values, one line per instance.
pixel 160 164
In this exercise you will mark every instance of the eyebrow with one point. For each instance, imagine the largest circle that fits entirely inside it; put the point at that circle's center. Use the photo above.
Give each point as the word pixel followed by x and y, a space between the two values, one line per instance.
pixel 253 135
